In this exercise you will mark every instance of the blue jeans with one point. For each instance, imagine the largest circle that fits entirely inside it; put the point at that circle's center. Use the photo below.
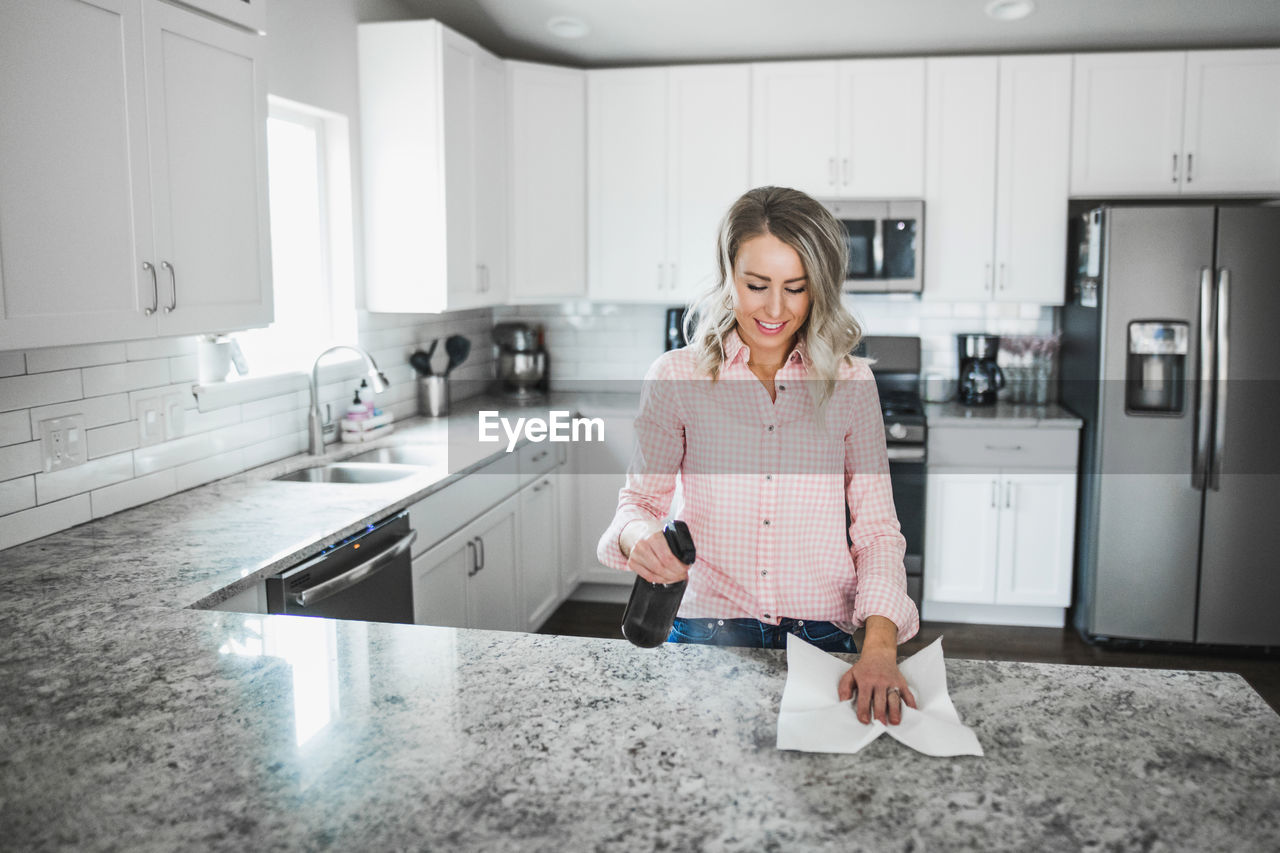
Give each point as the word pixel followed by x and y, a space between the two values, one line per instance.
pixel 759 635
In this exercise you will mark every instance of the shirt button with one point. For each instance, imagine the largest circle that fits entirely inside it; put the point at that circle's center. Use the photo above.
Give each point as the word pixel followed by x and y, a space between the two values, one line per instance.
pixel 767 616
pixel 766 522
pixel 764 572
pixel 768 476
pixel 770 427
pixel 782 387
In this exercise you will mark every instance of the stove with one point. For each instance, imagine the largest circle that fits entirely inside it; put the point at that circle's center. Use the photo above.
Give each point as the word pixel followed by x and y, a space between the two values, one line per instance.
pixel 897 373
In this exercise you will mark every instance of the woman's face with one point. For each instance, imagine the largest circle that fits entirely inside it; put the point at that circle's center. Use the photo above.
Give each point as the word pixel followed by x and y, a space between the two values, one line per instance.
pixel 771 297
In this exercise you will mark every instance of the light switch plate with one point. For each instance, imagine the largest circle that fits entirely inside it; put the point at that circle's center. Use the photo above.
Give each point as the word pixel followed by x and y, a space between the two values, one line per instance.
pixel 63 442
pixel 150 421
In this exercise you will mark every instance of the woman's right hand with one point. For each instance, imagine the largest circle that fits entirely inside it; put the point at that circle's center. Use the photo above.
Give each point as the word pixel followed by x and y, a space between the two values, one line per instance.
pixel 651 558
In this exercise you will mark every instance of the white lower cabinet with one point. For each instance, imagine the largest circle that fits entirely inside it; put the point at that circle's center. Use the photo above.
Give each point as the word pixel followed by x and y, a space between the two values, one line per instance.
pixel 539 551
pixel 999 537
pixel 601 472
pixel 469 579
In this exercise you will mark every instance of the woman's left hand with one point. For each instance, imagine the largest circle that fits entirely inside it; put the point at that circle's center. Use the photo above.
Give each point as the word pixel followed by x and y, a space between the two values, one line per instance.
pixel 872 678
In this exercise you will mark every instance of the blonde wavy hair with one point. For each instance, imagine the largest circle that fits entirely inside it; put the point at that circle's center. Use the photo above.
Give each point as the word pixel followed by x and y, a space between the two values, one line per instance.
pixel 830 332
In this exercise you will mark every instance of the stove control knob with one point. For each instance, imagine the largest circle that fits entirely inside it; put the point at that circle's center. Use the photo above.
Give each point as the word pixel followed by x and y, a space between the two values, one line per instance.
pixel 897 431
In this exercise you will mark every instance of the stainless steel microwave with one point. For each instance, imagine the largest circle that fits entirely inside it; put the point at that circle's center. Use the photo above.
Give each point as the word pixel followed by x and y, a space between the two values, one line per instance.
pixel 886 245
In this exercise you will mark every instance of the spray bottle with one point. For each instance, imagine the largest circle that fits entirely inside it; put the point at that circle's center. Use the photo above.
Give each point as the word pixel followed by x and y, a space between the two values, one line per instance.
pixel 651 610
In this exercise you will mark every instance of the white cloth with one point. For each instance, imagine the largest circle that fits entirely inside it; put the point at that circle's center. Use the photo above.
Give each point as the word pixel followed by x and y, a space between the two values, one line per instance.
pixel 813 719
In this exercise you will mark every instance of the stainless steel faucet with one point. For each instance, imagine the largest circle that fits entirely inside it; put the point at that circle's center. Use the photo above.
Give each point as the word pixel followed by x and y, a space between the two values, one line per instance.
pixel 315 426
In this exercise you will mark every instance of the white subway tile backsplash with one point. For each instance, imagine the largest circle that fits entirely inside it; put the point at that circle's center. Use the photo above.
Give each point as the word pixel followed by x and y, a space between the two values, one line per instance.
pixel 160 348
pixel 42 520
pixel 272 449
pixel 23 392
pixel 64 358
pixel 198 422
pixel 97 411
pixel 273 405
pixel 19 460
pixel 203 471
pixel 131 493
pixel 293 421
pixel 117 438
pixel 13 363
pixel 17 495
pixel 183 368
pixel 184 389
pixel 94 474
pixel 127 376
pixel 147 460
pixel 241 435
pixel 14 427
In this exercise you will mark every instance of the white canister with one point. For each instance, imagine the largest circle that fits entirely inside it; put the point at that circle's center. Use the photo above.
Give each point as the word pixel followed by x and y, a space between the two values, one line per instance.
pixel 937 387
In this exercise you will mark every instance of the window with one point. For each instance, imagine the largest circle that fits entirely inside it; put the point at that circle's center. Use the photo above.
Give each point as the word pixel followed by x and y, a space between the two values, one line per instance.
pixel 312 268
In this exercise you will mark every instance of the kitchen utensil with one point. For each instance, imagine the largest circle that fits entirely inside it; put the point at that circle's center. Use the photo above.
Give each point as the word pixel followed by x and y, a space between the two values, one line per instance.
pixel 433 395
pixel 458 349
pixel 651 610
pixel 421 362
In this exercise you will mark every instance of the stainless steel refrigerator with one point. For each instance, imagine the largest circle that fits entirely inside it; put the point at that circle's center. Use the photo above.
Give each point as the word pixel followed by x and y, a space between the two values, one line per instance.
pixel 1171 355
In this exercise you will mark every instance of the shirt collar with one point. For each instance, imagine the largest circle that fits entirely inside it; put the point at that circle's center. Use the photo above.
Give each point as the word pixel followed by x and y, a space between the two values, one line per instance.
pixel 735 349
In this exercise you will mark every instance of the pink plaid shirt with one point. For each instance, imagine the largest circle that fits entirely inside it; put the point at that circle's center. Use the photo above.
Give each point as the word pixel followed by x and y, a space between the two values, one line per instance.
pixel 763 490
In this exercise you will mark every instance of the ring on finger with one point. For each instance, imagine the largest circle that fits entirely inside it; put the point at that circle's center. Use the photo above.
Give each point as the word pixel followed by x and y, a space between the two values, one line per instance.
pixel 897 690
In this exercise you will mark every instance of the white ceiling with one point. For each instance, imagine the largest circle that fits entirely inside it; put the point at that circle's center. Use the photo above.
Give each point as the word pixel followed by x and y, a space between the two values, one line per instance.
pixel 637 32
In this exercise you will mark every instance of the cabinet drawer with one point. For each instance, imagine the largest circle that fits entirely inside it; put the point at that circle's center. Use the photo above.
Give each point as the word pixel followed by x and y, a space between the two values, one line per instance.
pixel 535 459
pixel 993 449
pixel 439 514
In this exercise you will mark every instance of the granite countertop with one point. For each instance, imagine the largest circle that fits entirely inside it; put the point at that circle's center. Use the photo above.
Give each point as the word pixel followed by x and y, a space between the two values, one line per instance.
pixel 131 721
pixel 1002 414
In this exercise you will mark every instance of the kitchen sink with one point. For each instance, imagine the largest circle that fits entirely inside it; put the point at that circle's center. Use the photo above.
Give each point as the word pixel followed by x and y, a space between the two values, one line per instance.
pixel 344 472
pixel 405 454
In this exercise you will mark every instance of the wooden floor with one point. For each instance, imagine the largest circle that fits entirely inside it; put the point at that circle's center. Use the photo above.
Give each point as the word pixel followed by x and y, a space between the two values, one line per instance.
pixel 992 642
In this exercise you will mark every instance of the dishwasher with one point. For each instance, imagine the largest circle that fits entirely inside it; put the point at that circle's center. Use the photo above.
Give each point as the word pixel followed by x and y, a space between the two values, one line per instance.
pixel 366 576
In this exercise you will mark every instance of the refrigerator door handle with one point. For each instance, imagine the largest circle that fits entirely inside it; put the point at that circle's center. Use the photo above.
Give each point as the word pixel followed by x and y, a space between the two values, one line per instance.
pixel 1221 356
pixel 1204 387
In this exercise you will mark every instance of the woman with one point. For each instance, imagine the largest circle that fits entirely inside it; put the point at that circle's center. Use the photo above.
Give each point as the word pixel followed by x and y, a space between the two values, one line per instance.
pixel 772 428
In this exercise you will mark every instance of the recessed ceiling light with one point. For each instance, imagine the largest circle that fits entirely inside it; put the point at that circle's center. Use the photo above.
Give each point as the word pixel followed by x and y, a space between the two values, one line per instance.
pixel 567 27
pixel 1010 10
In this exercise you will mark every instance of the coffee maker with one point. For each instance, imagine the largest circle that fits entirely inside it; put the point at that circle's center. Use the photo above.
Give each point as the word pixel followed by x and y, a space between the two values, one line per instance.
pixel 980 377
pixel 522 362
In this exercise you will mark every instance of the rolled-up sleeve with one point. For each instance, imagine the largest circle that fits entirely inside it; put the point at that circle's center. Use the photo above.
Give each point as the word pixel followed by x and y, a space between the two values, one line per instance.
pixel 658 453
pixel 878 544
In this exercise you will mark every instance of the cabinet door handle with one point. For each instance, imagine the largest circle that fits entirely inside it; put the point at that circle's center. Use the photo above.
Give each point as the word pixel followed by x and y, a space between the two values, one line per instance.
pixel 475 564
pixel 672 281
pixel 1190 162
pixel 1003 446
pixel 986 276
pixel 155 289
pixel 1002 279
pixel 541 485
pixel 1175 167
pixel 831 171
pixel 480 539
pixel 661 274
pixel 540 456
pixel 173 286
pixel 1008 495
pixel 845 171
pixel 995 493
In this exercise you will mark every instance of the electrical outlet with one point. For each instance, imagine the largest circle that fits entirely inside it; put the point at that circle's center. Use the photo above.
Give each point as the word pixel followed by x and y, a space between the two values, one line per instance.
pixel 63 442
pixel 174 415
pixel 150 421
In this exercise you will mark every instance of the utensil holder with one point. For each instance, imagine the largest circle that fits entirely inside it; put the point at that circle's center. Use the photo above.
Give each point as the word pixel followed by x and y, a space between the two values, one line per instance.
pixel 433 396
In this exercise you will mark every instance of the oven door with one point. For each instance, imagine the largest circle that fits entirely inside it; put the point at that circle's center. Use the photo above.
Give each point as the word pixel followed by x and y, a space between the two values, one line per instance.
pixel 906 470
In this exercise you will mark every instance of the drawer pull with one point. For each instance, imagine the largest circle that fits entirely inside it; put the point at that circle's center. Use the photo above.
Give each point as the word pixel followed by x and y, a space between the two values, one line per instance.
pixel 540 456
pixel 1004 447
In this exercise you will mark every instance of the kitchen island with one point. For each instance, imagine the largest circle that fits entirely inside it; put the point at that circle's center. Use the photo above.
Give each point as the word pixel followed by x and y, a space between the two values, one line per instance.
pixel 132 721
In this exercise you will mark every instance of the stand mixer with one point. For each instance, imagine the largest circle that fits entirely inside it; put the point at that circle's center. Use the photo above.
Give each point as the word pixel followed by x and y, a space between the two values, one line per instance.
pixel 522 362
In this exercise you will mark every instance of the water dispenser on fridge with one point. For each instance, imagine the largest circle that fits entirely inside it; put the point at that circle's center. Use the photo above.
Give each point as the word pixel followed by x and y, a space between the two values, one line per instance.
pixel 1156 369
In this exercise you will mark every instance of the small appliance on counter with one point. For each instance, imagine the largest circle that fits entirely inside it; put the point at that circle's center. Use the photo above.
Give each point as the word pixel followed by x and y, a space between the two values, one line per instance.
pixel 980 377
pixel 522 362
pixel 674 337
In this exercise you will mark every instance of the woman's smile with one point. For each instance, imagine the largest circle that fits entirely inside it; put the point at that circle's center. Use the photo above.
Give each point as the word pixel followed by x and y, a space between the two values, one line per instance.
pixel 771 301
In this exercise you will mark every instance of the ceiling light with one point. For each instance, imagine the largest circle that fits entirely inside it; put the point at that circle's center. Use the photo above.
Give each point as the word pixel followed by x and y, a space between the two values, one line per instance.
pixel 567 27
pixel 1010 10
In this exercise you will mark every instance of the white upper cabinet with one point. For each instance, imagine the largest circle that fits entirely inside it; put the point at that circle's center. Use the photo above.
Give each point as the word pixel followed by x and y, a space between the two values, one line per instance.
pixel 881 119
pixel 847 129
pixel 666 157
pixel 794 126
pixel 1032 176
pixel 996 178
pixel 1127 124
pixel 1175 123
pixel 960 184
pixel 141 143
pixel 547 225
pixel 433 126
pixel 246 13
pixel 208 113
pixel 1232 132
